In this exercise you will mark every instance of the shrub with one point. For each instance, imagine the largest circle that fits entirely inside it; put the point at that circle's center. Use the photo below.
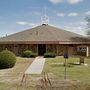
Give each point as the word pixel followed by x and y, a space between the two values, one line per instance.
pixel 81 53
pixel 27 53
pixel 7 59
pixel 49 55
pixel 33 55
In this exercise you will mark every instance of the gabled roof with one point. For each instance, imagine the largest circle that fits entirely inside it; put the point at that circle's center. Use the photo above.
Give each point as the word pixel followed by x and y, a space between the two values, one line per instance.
pixel 44 33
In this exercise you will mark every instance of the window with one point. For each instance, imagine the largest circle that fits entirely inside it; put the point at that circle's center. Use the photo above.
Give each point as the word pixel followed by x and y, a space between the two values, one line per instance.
pixel 82 49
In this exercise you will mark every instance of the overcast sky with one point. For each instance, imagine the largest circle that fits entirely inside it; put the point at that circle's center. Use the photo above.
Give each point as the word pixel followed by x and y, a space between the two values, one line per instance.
pixel 18 15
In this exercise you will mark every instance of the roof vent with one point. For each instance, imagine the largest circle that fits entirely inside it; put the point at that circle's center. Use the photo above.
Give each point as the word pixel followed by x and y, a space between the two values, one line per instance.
pixel 44 24
pixel 36 32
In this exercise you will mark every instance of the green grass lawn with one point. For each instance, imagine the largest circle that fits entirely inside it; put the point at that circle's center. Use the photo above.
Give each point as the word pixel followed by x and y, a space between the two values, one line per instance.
pixel 7 86
pixel 74 72
pixel 52 65
pixel 14 75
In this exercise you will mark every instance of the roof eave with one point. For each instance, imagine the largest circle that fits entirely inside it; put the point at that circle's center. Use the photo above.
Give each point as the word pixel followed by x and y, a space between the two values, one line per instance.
pixel 44 42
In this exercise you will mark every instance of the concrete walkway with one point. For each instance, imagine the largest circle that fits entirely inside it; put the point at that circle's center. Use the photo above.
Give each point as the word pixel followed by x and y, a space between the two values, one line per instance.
pixel 36 67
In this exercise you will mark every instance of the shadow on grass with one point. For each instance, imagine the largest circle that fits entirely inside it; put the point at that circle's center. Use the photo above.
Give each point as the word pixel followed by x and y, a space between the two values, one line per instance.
pixel 77 64
pixel 62 65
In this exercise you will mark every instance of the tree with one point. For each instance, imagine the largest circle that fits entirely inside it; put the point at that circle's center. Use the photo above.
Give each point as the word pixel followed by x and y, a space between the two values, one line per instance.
pixel 88 25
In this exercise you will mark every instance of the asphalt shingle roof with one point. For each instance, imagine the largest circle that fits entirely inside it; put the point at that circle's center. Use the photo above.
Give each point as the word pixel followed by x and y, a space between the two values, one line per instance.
pixel 43 33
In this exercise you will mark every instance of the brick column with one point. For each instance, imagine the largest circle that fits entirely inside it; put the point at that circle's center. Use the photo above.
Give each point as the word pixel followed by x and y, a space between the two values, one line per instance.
pixel 87 51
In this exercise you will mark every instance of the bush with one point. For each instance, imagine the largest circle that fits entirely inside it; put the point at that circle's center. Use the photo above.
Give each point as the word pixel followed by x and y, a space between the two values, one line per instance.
pixel 29 54
pixel 7 59
pixel 81 53
pixel 49 55
pixel 33 55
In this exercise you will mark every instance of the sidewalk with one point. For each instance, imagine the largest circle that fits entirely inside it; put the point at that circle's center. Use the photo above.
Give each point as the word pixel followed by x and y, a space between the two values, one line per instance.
pixel 36 67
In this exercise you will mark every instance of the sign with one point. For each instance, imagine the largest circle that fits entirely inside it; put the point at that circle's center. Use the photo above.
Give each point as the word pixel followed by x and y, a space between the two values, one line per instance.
pixel 66 55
